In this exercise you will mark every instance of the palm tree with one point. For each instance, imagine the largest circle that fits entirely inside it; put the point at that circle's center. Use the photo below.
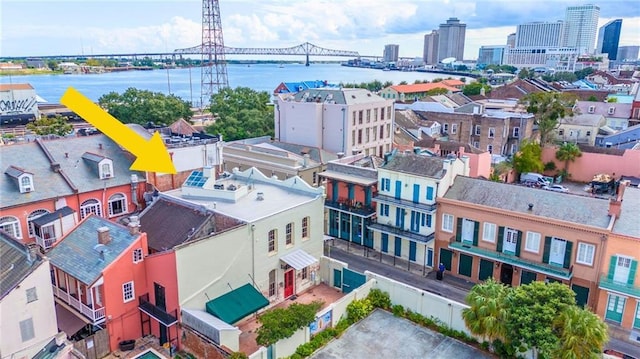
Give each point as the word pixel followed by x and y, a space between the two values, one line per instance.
pixel 487 312
pixel 568 152
pixel 582 334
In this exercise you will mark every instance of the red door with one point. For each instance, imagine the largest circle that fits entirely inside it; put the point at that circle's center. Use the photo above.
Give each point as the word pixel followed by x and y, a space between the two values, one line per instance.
pixel 288 283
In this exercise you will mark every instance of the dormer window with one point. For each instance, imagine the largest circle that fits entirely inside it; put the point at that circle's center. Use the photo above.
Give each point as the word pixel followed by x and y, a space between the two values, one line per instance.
pixel 105 171
pixel 21 178
pixel 592 109
pixel 100 164
pixel 26 184
pixel 611 110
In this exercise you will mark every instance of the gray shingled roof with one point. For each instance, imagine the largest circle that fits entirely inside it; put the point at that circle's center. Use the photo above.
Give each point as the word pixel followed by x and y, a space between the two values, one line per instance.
pixel 416 165
pixel 344 96
pixel 14 265
pixel 14 171
pixel 627 224
pixel 513 198
pixel 92 157
pixel 77 254
pixel 50 217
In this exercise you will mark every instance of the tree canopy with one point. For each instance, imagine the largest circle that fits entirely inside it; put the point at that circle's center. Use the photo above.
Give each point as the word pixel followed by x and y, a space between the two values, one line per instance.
pixel 56 125
pixel 548 108
pixel 568 152
pixel 281 323
pixel 475 88
pixel 528 158
pixel 486 314
pixel 142 107
pixel 241 113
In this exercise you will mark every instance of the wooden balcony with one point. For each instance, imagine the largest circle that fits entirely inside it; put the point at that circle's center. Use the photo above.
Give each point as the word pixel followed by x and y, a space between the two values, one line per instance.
pixel 95 315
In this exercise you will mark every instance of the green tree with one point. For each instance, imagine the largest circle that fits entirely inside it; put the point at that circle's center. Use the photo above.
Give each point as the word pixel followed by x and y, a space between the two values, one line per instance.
pixel 281 323
pixel 565 76
pixel 475 88
pixel 525 74
pixel 532 310
pixel 568 152
pixel 486 315
pixel 548 108
pixel 56 125
pixel 581 74
pixel 241 113
pixel 52 65
pixel 437 91
pixel 508 69
pixel 142 107
pixel 528 158
pixel 582 334
pixel 612 100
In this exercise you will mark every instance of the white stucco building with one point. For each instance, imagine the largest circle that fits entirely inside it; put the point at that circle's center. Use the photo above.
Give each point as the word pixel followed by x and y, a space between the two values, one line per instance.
pixel 347 120
pixel 27 311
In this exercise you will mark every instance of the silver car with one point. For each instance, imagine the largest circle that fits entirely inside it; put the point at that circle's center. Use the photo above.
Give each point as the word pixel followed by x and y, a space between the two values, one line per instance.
pixel 556 188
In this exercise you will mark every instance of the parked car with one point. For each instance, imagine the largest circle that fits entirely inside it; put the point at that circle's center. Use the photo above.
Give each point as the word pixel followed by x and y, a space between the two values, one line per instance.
pixel 533 179
pixel 556 188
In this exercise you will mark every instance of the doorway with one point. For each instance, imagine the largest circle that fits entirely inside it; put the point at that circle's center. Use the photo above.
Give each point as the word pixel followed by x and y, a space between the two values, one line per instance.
pixel 288 283
pixel 506 274
pixel 159 293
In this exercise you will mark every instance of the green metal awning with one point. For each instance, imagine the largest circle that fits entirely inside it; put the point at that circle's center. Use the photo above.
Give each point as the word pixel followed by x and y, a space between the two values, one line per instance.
pixel 237 304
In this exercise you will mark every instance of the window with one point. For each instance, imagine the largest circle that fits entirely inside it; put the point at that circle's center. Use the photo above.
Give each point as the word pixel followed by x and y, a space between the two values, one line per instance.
pixel 32 295
pixel 272 283
pixel 90 206
pixel 11 225
pixel 386 184
pixel 375 114
pixel 353 137
pixel 289 234
pixel 360 117
pixel 117 204
pixel 490 148
pixel 429 193
pixel 127 292
pixel 510 241
pixel 381 132
pixel 354 118
pixel 106 171
pixel 611 110
pixel 35 214
pixel 454 128
pixel 305 273
pixel 447 223
pixel 366 134
pixel 272 240
pixel 561 132
pixel 389 112
pixel 305 227
pixel 588 133
pixel 516 132
pixel 26 330
pixel 314 177
pixel 388 129
pixel 533 242
pixel 382 113
pixel 137 255
pixel 478 130
pixel 25 184
pixel 468 227
pixel 476 144
pixel 492 132
pixel 368 116
pixel 592 109
pixel 384 209
pixel 585 253
pixel 445 127
pixel 489 232
pixel 360 136
pixel 557 251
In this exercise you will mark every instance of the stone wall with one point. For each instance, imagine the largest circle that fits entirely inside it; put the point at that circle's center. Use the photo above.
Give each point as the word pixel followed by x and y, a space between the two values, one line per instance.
pixel 200 346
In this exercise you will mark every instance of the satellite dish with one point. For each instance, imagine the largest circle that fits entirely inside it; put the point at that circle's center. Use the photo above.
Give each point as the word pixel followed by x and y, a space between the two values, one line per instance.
pixel 448 60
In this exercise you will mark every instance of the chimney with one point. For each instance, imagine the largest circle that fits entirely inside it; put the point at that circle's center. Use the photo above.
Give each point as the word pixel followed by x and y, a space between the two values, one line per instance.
pixel 103 235
pixel 615 207
pixel 100 145
pixel 340 154
pixel 207 172
pixel 305 160
pixel 260 196
pixel 622 185
pixel 134 228
pixel 32 253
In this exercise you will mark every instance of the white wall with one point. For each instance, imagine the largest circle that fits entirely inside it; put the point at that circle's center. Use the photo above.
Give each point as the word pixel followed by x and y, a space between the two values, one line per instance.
pixel 14 309
pixel 19 102
pixel 194 157
pixel 299 123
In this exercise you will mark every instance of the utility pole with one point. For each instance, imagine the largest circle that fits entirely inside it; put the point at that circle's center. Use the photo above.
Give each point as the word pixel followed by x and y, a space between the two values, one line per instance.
pixel 214 66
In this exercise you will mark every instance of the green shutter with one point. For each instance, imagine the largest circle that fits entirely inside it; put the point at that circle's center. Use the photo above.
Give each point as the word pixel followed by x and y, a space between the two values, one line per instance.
pixel 612 267
pixel 567 255
pixel 519 244
pixel 632 272
pixel 547 249
pixel 459 230
pixel 476 233
pixel 500 237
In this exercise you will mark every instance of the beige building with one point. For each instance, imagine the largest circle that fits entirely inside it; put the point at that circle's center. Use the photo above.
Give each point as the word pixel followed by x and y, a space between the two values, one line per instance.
pixel 581 128
pixel 347 120
pixel 27 310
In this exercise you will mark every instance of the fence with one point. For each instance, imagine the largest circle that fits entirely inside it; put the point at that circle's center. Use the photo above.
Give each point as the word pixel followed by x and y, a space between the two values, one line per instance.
pixel 95 346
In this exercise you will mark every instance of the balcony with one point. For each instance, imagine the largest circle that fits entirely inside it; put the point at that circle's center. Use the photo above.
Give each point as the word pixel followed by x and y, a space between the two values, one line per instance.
pixel 45 242
pixel 351 206
pixel 401 232
pixel 622 288
pixel 96 316
pixel 403 203
pixel 155 312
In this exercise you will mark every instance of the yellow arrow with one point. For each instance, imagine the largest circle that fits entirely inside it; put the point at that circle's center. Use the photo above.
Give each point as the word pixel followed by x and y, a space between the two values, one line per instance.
pixel 151 156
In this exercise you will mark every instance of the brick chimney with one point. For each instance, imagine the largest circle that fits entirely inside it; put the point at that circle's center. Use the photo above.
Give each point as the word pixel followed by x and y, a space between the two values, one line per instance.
pixel 134 228
pixel 103 235
pixel 615 207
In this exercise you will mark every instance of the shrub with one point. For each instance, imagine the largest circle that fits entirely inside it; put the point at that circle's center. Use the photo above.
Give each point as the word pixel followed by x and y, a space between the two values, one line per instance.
pixel 341 326
pixel 281 323
pixel 397 310
pixel 358 309
pixel 296 356
pixel 379 299
pixel 306 349
pixel 238 355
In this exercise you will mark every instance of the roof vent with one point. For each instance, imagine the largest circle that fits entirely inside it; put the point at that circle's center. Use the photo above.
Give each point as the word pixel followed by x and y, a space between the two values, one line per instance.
pixel 530 206
pixel 260 196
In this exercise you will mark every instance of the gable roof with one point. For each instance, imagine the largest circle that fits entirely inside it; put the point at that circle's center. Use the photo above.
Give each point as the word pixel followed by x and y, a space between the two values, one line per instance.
pixel 182 127
pixel 621 110
pixel 79 254
pixel 418 165
pixel 583 120
pixel 14 263
pixel 576 209
pixel 627 223
pixel 7 87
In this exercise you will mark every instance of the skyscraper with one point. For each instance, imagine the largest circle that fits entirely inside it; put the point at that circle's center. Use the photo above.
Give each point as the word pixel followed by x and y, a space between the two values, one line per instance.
pixel 451 39
pixel 539 34
pixel 390 53
pixel 491 55
pixel 511 40
pixel 609 38
pixel 430 51
pixel 580 27
pixel 629 53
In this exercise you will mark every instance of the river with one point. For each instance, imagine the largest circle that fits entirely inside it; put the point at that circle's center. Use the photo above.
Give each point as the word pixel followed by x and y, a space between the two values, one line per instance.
pixel 185 83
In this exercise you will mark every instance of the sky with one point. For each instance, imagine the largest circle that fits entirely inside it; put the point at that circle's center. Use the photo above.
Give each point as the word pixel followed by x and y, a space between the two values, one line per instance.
pixel 33 28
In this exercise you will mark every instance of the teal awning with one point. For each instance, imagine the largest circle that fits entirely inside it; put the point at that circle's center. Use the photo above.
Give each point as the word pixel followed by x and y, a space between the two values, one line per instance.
pixel 237 304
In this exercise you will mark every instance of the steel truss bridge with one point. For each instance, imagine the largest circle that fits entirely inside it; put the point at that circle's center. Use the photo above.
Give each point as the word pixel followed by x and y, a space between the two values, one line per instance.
pixel 306 49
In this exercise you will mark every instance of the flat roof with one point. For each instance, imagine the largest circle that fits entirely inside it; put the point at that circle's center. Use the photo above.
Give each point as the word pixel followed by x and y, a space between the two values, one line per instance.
pixel 348 178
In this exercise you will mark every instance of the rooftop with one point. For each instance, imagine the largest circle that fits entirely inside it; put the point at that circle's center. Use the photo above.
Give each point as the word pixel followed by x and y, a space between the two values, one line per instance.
pixel 627 224
pixel 416 165
pixel 424 87
pixel 8 87
pixel 15 265
pixel 583 120
pixel 513 198
pixel 342 96
pixel 238 195
pixel 80 255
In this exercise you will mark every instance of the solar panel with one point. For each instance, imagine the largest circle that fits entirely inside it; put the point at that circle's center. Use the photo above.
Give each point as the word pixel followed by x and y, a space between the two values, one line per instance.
pixel 196 179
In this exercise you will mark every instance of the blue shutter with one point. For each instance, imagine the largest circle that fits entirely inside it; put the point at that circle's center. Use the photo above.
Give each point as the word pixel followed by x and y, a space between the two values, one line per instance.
pixel 367 196
pixel 412 251
pixel 547 250
pixel 459 230
pixel 398 189
pixel 416 193
pixel 385 243
pixel 430 193
pixel 567 255
pixel 350 186
pixel 397 247
pixel 500 239
pixel 428 220
pixel 612 267
pixel 632 272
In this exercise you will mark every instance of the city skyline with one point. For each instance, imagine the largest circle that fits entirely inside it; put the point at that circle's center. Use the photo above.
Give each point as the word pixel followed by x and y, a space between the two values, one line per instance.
pixel 93 27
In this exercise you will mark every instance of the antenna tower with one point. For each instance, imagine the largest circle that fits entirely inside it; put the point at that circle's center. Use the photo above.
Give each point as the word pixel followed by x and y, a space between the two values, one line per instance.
pixel 212 52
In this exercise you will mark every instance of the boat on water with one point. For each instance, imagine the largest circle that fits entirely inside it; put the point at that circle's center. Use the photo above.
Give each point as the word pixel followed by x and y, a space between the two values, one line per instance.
pixel 281 66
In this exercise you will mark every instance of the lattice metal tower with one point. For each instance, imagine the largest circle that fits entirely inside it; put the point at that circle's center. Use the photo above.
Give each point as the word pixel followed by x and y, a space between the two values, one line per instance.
pixel 213 59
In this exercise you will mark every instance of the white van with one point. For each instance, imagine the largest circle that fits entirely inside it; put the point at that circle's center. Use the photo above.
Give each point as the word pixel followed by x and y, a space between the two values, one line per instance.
pixel 533 179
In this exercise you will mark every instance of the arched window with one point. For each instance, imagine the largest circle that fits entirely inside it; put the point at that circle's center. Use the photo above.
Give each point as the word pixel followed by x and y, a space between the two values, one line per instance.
pixel 11 225
pixel 106 170
pixel 33 215
pixel 272 283
pixel 117 204
pixel 90 206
